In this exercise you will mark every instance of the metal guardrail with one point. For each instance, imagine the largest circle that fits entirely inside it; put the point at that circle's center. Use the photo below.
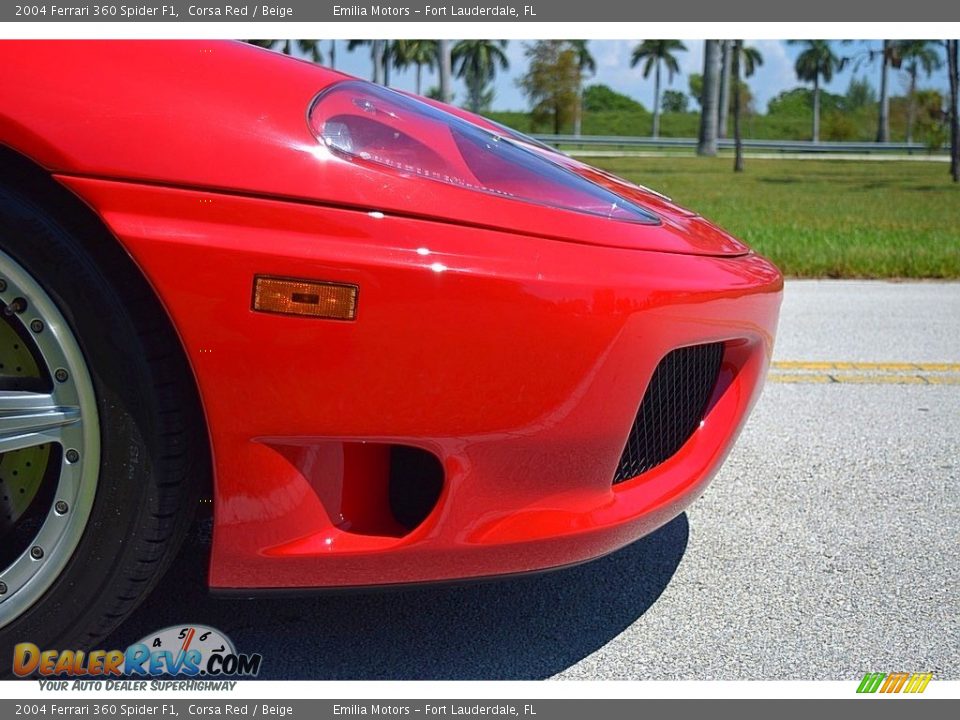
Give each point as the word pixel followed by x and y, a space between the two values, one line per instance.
pixel 793 146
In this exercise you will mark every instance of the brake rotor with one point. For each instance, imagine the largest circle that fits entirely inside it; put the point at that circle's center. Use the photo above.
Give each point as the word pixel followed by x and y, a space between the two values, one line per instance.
pixel 21 471
pixel 21 474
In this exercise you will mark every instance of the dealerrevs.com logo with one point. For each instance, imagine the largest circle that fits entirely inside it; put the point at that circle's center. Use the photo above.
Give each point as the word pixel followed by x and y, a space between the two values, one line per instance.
pixel 178 651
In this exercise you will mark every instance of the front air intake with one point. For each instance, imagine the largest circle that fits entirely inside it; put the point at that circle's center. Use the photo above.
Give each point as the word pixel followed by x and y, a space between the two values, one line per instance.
pixel 671 409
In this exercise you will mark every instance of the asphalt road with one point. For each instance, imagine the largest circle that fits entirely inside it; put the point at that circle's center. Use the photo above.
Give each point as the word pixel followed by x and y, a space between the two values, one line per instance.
pixel 828 546
pixel 870 320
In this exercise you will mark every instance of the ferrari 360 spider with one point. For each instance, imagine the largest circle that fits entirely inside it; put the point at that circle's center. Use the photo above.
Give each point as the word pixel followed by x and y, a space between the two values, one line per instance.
pixel 392 342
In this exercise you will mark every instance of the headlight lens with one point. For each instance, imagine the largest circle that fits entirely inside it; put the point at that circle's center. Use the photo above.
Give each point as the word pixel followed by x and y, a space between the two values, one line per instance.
pixel 370 124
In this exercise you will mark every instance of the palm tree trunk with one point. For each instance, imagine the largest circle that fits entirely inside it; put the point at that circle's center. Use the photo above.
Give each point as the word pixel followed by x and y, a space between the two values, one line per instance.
pixel 656 101
pixel 474 91
pixel 953 69
pixel 883 124
pixel 816 108
pixel 376 55
pixel 386 62
pixel 724 88
pixel 286 47
pixel 419 77
pixel 578 115
pixel 446 92
pixel 333 54
pixel 710 99
pixel 737 140
pixel 912 103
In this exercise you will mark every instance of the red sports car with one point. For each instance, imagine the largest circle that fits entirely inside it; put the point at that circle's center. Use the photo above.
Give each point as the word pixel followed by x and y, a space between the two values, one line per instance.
pixel 393 342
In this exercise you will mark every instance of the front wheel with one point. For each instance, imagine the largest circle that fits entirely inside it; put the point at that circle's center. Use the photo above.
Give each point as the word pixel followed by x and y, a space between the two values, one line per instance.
pixel 101 456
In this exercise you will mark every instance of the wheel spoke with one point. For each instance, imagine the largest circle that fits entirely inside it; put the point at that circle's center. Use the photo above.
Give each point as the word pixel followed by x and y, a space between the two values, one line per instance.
pixel 46 492
pixel 28 419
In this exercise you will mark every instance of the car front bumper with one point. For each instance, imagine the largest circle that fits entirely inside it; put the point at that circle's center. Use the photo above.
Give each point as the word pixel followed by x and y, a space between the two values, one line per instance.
pixel 518 361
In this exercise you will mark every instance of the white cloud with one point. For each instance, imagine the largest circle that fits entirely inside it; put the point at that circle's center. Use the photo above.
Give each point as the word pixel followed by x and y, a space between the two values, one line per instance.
pixel 613 68
pixel 610 53
pixel 775 75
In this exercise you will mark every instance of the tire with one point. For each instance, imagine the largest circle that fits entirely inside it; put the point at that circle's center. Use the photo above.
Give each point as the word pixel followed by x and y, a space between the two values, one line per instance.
pixel 146 428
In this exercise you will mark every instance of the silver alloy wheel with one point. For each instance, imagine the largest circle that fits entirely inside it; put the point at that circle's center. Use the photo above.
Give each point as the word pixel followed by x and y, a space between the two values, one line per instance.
pixel 61 414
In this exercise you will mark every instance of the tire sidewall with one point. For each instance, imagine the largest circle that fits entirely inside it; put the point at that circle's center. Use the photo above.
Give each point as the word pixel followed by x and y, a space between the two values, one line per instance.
pixel 69 613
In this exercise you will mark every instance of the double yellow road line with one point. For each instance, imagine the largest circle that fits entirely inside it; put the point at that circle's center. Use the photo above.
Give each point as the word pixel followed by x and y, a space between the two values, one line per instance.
pixel 865 373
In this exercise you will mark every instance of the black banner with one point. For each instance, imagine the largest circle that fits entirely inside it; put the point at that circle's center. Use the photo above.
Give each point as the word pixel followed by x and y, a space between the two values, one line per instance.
pixel 480 11
pixel 107 708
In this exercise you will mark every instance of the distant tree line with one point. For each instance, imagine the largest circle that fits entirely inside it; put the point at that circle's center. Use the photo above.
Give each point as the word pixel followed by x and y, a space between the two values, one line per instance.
pixel 554 83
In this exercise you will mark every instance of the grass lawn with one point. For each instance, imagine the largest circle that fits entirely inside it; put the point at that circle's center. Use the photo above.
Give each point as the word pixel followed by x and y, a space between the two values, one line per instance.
pixel 821 218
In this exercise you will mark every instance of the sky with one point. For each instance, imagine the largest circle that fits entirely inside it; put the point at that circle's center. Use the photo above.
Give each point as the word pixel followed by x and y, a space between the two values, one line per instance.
pixel 613 69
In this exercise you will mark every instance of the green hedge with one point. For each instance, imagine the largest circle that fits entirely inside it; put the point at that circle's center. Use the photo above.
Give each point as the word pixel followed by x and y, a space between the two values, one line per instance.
pixel 859 125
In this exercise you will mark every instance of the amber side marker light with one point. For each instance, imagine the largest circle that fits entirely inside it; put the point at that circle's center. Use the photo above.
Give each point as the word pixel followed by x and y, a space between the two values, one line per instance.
pixel 310 298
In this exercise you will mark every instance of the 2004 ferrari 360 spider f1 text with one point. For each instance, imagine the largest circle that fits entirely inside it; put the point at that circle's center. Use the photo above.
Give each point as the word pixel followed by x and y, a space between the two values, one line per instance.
pixel 393 341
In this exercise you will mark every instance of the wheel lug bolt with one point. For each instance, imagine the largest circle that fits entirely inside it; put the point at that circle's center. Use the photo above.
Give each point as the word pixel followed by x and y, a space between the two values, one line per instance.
pixel 61 507
pixel 61 375
pixel 36 552
pixel 37 326
pixel 3 588
pixel 3 285
pixel 16 307
pixel 72 456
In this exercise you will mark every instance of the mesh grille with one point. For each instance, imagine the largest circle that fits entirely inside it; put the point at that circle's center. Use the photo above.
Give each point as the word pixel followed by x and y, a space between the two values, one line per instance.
pixel 671 409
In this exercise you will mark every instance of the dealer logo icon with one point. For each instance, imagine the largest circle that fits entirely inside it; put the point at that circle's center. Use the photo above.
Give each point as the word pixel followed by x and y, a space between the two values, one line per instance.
pixel 910 683
pixel 179 651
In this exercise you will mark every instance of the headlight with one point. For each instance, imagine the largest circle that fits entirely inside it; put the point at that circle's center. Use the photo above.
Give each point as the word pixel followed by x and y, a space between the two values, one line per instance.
pixel 372 124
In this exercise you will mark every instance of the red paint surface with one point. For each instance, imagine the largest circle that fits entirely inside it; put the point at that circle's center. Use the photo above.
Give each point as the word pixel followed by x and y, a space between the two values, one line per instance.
pixel 513 341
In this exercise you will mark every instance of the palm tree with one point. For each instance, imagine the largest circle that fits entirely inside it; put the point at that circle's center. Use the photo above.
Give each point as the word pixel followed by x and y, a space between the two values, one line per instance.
pixel 333 54
pixel 586 64
pixel 709 98
pixel 444 62
pixel 815 62
pixel 748 58
pixel 889 55
pixel 308 48
pixel 726 50
pixel 419 53
pixel 918 55
pixel 953 71
pixel 379 52
pixel 476 62
pixel 653 54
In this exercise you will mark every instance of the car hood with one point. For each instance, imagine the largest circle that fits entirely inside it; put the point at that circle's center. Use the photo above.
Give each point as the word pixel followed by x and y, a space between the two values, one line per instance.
pixel 231 117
